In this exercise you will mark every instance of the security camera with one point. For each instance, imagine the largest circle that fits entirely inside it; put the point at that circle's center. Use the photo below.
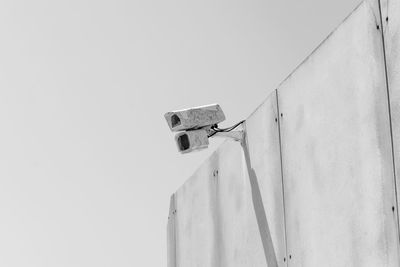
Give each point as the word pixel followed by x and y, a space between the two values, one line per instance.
pixel 197 125
pixel 194 118
pixel 189 141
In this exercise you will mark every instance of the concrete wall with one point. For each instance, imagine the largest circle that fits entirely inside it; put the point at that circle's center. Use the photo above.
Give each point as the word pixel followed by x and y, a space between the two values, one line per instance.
pixel 391 30
pixel 314 184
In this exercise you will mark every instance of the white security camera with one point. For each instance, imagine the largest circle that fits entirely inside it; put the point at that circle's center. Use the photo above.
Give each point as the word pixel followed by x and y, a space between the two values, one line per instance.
pixel 194 118
pixel 188 141
pixel 198 124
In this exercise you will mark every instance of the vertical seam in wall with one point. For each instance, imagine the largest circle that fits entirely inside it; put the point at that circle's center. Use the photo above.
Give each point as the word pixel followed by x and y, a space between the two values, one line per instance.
pixel 283 186
pixel 390 115
pixel 175 234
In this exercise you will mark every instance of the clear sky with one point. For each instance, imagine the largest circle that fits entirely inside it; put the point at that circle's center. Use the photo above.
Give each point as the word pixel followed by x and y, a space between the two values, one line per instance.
pixel 87 162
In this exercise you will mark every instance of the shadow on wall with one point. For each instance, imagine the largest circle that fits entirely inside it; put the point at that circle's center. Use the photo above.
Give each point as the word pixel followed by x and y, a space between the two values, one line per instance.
pixel 259 210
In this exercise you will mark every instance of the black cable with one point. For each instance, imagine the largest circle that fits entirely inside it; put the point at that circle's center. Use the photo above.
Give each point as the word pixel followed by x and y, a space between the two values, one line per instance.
pixel 223 130
pixel 227 129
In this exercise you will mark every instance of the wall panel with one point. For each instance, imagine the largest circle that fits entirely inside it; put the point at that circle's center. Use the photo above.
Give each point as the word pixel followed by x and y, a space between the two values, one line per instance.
pixel 336 149
pixel 264 149
pixel 391 28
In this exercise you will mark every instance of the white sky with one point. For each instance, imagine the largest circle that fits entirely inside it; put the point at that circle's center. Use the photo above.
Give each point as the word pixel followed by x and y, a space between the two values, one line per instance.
pixel 87 162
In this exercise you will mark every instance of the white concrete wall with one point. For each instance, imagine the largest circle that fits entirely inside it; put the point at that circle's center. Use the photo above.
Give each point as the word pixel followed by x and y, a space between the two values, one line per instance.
pixel 315 184
pixel 391 29
pixel 337 152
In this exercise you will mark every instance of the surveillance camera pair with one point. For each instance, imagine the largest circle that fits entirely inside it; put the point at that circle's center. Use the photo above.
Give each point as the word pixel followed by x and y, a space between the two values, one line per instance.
pixel 196 125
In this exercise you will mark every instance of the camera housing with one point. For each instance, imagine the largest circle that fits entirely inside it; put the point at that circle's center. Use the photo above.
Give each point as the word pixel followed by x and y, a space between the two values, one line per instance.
pixel 196 125
pixel 194 118
pixel 188 141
